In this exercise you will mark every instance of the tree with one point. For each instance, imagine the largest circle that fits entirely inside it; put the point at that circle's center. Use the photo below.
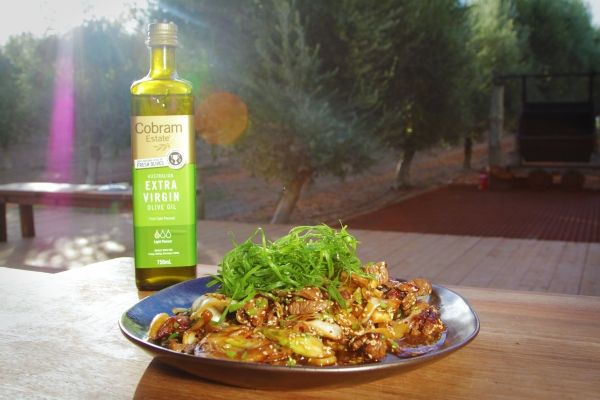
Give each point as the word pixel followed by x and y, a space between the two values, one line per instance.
pixel 33 62
pixel 560 38
pixel 560 35
pixel 9 124
pixel 496 45
pixel 302 125
pixel 107 61
pixel 300 128
pixel 417 72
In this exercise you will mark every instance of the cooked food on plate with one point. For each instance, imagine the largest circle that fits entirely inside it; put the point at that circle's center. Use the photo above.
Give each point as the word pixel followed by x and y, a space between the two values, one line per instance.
pixel 304 299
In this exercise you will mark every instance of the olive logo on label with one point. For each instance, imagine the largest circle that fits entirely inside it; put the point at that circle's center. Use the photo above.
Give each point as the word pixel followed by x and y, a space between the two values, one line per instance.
pixel 162 234
pixel 175 159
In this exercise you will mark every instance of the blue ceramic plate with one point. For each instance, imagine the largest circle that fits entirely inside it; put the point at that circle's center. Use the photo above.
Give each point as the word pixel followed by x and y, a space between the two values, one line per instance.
pixel 457 314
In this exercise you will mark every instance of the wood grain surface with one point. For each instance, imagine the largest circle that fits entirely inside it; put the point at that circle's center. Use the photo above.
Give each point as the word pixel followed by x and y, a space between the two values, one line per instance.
pixel 60 340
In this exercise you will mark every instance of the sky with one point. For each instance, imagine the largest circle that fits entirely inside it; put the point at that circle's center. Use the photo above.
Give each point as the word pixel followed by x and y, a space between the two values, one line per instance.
pixel 595 9
pixel 58 16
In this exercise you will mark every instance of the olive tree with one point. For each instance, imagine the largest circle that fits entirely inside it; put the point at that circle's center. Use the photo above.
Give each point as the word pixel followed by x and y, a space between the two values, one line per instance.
pixel 418 71
pixel 303 124
pixel 9 124
pixel 31 65
pixel 496 46
pixel 106 61
pixel 560 38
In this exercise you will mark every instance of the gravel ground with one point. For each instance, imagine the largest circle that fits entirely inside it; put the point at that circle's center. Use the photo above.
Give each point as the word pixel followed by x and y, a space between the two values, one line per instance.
pixel 232 193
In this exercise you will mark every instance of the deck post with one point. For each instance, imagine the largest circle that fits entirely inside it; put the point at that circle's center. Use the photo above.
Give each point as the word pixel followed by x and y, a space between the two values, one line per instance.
pixel 496 124
pixel 3 227
pixel 27 225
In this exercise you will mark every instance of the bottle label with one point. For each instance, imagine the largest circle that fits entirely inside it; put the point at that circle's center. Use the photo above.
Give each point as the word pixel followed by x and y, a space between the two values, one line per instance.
pixel 164 191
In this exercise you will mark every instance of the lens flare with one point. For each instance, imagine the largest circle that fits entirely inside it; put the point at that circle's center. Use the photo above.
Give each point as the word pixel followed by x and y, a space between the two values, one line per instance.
pixel 221 118
pixel 62 125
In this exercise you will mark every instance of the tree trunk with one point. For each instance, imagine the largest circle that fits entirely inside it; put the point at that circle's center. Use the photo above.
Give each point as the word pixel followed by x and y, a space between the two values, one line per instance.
pixel 93 163
pixel 6 160
pixel 496 125
pixel 402 178
pixel 468 153
pixel 289 197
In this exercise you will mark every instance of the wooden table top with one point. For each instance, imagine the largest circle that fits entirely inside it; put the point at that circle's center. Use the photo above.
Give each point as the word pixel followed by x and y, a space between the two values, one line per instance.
pixel 60 339
pixel 66 194
pixel 53 187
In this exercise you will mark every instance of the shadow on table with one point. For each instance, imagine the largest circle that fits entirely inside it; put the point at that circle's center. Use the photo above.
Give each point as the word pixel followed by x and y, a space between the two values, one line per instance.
pixel 161 381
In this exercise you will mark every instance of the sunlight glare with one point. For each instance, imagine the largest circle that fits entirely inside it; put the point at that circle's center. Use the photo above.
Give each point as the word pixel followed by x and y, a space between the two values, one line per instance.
pixel 47 17
pixel 594 7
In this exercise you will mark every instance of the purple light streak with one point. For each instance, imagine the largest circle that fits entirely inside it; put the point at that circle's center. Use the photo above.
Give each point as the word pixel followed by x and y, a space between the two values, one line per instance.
pixel 62 125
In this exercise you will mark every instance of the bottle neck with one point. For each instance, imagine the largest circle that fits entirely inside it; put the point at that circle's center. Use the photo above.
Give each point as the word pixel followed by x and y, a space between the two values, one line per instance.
pixel 162 62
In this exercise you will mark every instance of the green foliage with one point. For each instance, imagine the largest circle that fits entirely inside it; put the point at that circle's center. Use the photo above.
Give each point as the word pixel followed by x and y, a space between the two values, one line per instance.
pixel 298 121
pixel 107 60
pixel 9 124
pixel 302 119
pixel 308 256
pixel 560 35
pixel 217 40
pixel 33 62
pixel 497 46
pixel 415 69
pixel 495 40
pixel 325 82
pixel 560 38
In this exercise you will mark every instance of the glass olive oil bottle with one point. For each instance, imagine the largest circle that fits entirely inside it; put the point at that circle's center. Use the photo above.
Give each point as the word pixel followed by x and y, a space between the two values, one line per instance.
pixel 163 168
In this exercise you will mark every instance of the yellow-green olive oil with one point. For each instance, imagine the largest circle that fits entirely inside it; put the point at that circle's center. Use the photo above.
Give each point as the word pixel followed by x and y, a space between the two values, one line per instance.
pixel 163 168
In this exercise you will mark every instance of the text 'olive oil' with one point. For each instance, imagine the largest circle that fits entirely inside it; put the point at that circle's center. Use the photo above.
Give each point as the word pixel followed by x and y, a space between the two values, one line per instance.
pixel 163 168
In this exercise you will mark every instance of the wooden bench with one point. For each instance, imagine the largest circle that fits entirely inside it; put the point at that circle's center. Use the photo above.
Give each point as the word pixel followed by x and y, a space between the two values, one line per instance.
pixel 28 194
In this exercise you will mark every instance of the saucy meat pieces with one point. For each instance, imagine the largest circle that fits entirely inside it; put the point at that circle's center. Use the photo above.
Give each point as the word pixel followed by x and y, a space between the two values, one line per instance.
pixel 426 327
pixel 174 324
pixel 377 316
pixel 371 346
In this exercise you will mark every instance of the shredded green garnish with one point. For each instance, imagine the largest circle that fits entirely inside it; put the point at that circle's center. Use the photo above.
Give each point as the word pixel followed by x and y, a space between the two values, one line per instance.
pixel 306 256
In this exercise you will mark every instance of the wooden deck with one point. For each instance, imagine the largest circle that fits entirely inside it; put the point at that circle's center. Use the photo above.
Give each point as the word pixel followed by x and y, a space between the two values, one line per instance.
pixel 68 238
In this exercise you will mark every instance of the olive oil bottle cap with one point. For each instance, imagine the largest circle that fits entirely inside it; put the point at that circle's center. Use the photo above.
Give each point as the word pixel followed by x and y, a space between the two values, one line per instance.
pixel 162 34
